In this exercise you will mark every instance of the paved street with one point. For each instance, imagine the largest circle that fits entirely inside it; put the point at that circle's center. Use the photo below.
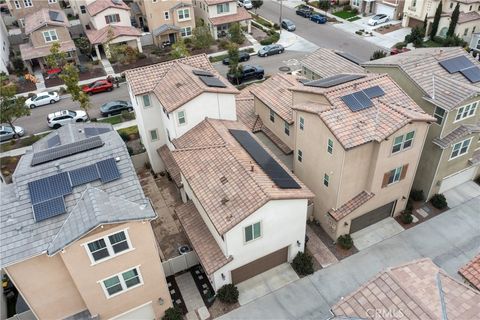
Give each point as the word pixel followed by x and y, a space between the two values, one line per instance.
pixel 450 240
pixel 37 120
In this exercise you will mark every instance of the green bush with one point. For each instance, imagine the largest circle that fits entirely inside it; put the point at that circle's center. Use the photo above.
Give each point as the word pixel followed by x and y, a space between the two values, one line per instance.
pixel 128 115
pixel 172 313
pixel 274 37
pixel 354 11
pixel 400 45
pixel 417 195
pixel 303 264
pixel 223 44
pixel 438 201
pixel 378 54
pixel 123 135
pixel 276 26
pixel 228 294
pixel 345 241
pixel 406 217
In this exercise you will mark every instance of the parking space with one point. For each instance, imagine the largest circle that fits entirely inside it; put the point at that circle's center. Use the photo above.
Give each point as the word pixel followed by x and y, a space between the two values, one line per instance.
pixel 376 233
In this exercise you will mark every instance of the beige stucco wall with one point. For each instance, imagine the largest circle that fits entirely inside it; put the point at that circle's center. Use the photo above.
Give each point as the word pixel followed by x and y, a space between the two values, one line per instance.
pixel 154 13
pixel 38 40
pixel 37 5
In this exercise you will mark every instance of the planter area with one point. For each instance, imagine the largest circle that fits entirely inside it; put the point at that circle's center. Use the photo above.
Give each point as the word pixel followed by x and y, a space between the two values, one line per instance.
pixel 337 251
pixel 96 72
pixel 176 295
pixel 203 285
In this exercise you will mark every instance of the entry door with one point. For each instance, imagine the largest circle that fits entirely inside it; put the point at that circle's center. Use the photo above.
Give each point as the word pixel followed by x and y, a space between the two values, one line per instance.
pixel 372 217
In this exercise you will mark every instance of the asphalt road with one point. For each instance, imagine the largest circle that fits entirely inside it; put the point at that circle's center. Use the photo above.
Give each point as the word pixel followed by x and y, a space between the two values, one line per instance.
pixel 323 35
pixel 37 120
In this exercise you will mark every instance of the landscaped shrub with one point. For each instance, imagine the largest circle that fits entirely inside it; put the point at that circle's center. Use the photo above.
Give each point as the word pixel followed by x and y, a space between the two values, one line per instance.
pixel 127 115
pixel 347 7
pixel 303 264
pixel 228 294
pixel 123 135
pixel 274 37
pixel 172 313
pixel 417 195
pixel 406 217
pixel 355 11
pixel 276 26
pixel 378 54
pixel 345 241
pixel 223 44
pixel 439 201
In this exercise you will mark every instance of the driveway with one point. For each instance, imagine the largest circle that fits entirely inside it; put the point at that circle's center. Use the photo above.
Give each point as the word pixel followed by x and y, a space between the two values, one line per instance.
pixel 376 233
pixel 450 240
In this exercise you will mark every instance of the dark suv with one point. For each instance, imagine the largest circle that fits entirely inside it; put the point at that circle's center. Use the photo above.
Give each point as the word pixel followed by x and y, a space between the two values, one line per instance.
pixel 305 12
pixel 248 72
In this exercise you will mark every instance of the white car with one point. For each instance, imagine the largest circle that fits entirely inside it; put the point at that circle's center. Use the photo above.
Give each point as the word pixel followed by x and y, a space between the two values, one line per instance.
pixel 61 118
pixel 377 19
pixel 247 4
pixel 42 99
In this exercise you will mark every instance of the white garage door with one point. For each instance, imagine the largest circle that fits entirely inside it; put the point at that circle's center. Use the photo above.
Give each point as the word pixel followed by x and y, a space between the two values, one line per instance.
pixel 457 179
pixel 144 312
pixel 389 11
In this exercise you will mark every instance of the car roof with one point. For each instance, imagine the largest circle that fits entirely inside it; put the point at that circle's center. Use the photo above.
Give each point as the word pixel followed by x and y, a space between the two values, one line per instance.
pixel 287 20
pixel 58 113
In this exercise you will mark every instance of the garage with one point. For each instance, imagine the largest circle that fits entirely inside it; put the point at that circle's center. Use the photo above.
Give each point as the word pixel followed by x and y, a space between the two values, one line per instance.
pixel 412 23
pixel 457 179
pixel 260 265
pixel 384 9
pixel 144 312
pixel 372 217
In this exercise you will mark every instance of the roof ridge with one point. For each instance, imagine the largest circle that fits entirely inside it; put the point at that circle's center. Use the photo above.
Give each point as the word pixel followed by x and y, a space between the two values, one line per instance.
pixel 213 146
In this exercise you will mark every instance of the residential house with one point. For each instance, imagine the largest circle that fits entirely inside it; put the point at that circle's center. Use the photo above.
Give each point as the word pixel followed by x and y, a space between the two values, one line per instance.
pixel 475 42
pixel 168 21
pixel 416 290
pixel 468 20
pixel 170 98
pixel 22 8
pixel 392 8
pixel 451 153
pixel 357 146
pixel 76 236
pixel 45 27
pixel 5 51
pixel 471 272
pixel 218 15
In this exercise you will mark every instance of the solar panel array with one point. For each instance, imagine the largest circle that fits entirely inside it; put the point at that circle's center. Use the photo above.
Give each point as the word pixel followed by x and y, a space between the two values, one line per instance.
pixel 91 131
pixel 53 142
pixel 361 99
pixel 333 80
pixel 349 57
pixel 203 73
pixel 269 165
pixel 47 193
pixel 212 82
pixel 463 65
pixel 55 16
pixel 472 74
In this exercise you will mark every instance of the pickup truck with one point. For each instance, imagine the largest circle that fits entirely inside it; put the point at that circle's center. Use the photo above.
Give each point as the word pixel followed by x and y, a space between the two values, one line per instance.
pixel 248 72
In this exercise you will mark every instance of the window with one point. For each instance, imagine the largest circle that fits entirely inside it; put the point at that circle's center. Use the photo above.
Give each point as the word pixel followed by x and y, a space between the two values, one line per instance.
pixel 222 8
pixel 465 32
pixel 451 5
pixel 466 111
pixel 302 123
pixel 181 117
pixel 50 35
pixel 112 18
pixel 470 8
pixel 287 128
pixel 28 3
pixel 460 148
pixel 108 246
pixel 326 180
pixel 154 135
pixel 166 15
pixel 253 232
pixel 121 282
pixel 356 2
pixel 183 14
pixel 403 142
pixel 395 175
pixel 272 115
pixel 414 3
pixel 186 32
pixel 439 114
pixel 83 10
pixel 17 4
pixel 330 146
pixel 299 155
pixel 52 1
pixel 146 100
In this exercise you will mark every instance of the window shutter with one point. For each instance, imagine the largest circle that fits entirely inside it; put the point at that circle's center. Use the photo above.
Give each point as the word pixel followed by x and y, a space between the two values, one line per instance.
pixel 117 18
pixel 386 176
pixel 404 172
pixel 106 19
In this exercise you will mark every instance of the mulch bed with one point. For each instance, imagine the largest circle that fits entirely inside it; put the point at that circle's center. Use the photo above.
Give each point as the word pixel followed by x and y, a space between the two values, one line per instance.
pixel 388 28
pixel 176 295
pixel 427 206
pixel 203 285
pixel 26 86
pixel 93 73
pixel 219 308
pixel 337 251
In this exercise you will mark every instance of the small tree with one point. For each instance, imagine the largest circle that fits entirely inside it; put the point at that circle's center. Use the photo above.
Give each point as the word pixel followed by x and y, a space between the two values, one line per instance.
pixel 228 294
pixel 202 37
pixel 303 264
pixel 11 107
pixel 172 313
pixel 234 69
pixel 436 20
pixel 56 58
pixel 256 4
pixel 71 77
pixel 453 21
pixel 378 54
pixel 416 36
pixel 235 33
pixel 83 45
pixel 324 5
pixel 179 50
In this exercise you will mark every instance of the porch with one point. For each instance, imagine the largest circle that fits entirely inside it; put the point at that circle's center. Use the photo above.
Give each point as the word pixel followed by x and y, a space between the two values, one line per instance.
pixel 166 34
pixel 102 38
pixel 220 25
pixel 34 57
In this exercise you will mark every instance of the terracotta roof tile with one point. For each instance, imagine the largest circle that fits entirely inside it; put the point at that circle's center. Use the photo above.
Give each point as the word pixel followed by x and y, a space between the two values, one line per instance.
pixel 246 110
pixel 464 17
pixel 98 6
pixel 101 35
pixel 471 272
pixel 170 164
pixel 241 15
pixel 326 62
pixel 351 205
pixel 458 133
pixel 213 2
pixel 41 18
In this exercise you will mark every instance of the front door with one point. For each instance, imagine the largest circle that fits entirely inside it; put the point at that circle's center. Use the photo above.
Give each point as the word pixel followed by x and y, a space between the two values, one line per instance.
pixel 171 37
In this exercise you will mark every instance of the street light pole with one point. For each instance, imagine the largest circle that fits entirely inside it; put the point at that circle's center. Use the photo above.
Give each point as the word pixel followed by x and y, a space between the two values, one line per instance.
pixel 281 12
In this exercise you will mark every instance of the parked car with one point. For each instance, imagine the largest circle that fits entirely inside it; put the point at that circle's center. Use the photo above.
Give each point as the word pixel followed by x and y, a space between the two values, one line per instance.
pixel 41 99
pixel 115 107
pixel 394 51
pixel 248 72
pixel 305 12
pixel 242 56
pixel 318 18
pixel 247 4
pixel 270 49
pixel 60 118
pixel 7 133
pixel 288 25
pixel 98 86
pixel 377 19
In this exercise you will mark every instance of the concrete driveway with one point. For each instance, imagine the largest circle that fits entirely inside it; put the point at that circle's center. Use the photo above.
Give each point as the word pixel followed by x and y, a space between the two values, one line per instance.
pixel 462 193
pixel 376 233
pixel 450 240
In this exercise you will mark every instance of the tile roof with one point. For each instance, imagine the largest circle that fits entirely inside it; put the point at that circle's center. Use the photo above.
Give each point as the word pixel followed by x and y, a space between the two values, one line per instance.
pixel 219 171
pixel 180 85
pixel 27 51
pixel 241 15
pixel 144 79
pixel 471 272
pixel 388 114
pixel 207 249
pixel 165 27
pixel 213 2
pixel 98 6
pixel 351 205
pixel 465 17
pixel 100 36
pixel 21 236
pixel 246 110
pixel 458 133
pixel 41 18
pixel 170 164
pixel 422 66
pixel 411 292
pixel 326 62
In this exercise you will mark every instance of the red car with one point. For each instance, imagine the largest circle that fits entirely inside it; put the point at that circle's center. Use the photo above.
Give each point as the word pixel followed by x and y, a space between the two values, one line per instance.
pixel 98 86
pixel 394 51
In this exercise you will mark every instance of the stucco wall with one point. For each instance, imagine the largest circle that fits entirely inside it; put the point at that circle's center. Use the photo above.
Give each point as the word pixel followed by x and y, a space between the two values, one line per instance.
pixel 98 21
pixel 38 40
pixel 277 127
pixel 212 10
pixel 156 17
pixel 37 5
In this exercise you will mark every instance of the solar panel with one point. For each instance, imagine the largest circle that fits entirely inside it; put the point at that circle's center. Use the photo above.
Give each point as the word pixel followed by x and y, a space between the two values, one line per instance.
pixel 48 209
pixel 53 142
pixel 49 187
pixel 108 170
pixel 456 64
pixel 66 150
pixel 269 165
pixel 349 57
pixel 352 103
pixel 55 16
pixel 212 82
pixel 84 175
pixel 472 74
pixel 374 92
pixel 363 99
pixel 333 80
pixel 203 73
pixel 91 132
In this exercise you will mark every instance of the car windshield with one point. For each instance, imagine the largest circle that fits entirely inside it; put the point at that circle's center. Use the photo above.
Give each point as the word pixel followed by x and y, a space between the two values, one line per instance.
pixel 288 22
pixel 51 93
pixel 33 97
pixel 377 17
pixel 71 113
pixel 91 85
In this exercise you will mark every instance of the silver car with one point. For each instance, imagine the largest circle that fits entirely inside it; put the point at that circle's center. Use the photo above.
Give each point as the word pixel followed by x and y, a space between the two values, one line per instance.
pixel 7 133
pixel 270 49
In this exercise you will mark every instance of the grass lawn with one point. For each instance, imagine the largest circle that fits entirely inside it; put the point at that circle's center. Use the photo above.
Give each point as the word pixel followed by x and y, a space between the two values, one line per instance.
pixel 345 14
pixel 354 18
pixel 129 130
pixel 431 44
pixel 20 143
pixel 112 120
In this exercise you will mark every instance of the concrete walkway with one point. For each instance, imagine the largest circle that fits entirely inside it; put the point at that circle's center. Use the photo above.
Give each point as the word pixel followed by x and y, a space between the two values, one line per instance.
pixel 319 250
pixel 40 81
pixel 191 296
pixel 376 233
pixel 450 240
pixel 107 66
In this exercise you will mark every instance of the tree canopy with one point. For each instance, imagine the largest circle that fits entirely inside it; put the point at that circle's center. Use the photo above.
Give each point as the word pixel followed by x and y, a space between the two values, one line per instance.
pixel 453 21
pixel 56 58
pixel 202 37
pixel 11 107
pixel 436 20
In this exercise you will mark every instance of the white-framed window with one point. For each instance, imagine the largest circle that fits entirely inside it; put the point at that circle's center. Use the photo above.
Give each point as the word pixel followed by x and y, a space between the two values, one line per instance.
pixel 465 32
pixel 122 282
pixel 330 146
pixel 182 119
pixel 356 2
pixel 108 246
pixel 414 3
pixel 326 180
pixel 395 175
pixel 154 135
pixel 186 32
pixel 146 101
pixel 302 123
pixel 222 8
pixel 28 3
pixel 299 155
pixel 272 115
pixel 439 114
pixel 52 1
pixel 17 4
pixel 466 111
pixel 166 15
pixel 286 128
pixel 253 231
pixel 21 22
pixel 83 9
pixel 460 148
pixel 112 18
pixel 50 35
pixel 403 142
pixel 183 14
